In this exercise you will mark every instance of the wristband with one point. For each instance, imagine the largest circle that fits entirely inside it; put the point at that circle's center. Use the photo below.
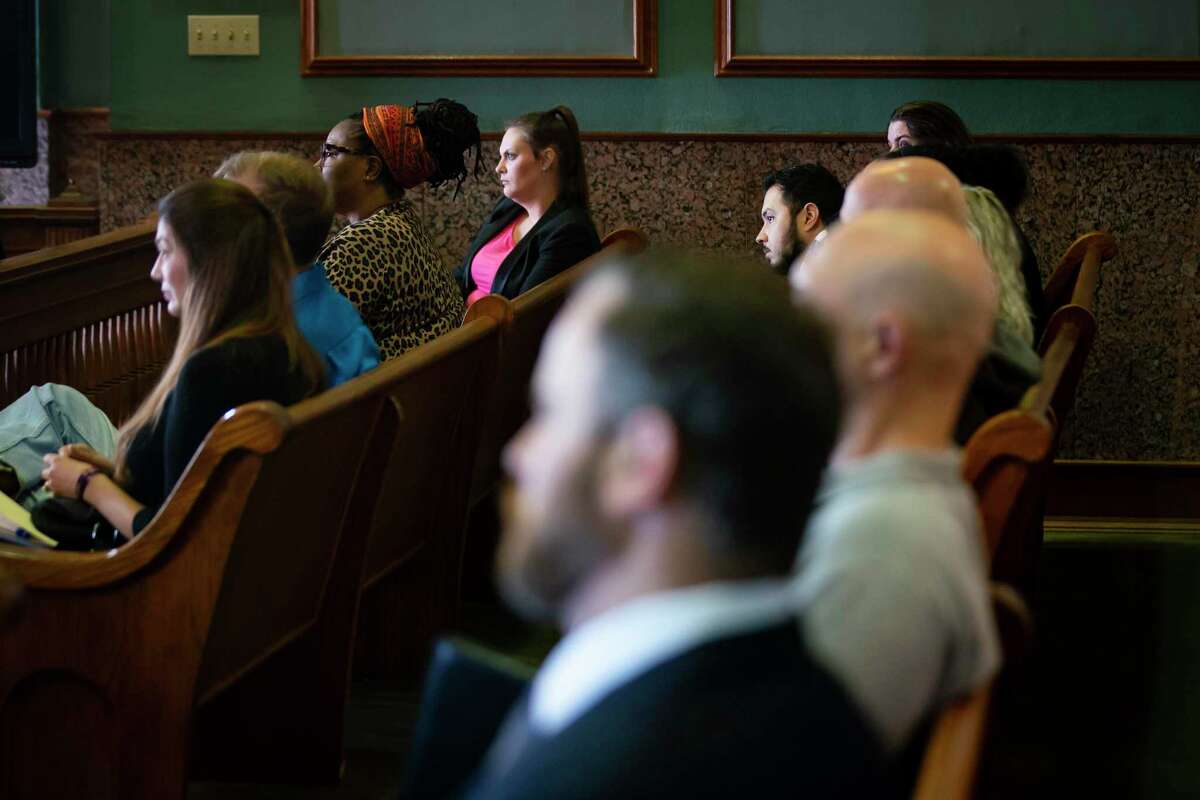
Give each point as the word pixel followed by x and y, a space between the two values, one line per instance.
pixel 81 483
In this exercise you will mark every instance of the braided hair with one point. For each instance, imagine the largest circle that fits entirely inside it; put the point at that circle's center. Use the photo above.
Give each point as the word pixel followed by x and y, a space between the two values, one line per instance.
pixel 450 131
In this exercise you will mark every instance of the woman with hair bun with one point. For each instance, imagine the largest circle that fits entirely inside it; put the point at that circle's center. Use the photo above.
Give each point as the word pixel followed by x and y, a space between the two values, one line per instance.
pixel 384 261
pixel 542 225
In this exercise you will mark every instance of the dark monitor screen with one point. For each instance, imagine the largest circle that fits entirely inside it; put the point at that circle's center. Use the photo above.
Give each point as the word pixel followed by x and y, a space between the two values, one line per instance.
pixel 18 84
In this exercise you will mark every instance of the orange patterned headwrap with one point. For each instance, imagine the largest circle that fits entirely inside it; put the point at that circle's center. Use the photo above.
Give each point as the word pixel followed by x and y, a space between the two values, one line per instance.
pixel 394 132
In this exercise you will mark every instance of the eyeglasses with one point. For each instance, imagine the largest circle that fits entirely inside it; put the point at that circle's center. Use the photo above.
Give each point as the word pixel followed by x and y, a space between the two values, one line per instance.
pixel 330 150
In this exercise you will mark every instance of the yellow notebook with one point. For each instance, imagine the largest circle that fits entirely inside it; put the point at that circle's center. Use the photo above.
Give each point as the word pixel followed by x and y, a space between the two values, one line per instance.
pixel 16 526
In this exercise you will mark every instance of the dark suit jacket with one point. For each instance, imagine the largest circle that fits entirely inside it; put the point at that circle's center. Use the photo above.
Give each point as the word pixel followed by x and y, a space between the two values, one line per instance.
pixel 468 692
pixel 750 715
pixel 562 238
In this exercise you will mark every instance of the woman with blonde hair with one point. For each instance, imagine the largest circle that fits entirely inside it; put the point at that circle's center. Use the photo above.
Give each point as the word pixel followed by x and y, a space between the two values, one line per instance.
pixel 1001 169
pixel 1011 365
pixel 225 267
pixel 993 228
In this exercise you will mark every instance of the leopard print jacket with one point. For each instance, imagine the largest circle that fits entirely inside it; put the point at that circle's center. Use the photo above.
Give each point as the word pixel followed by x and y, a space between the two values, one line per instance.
pixel 387 267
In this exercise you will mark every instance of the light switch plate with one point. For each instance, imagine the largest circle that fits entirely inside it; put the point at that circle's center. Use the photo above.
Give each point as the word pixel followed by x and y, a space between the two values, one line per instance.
pixel 235 35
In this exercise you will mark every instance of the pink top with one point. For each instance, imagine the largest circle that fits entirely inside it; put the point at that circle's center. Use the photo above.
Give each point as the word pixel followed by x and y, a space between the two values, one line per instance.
pixel 488 260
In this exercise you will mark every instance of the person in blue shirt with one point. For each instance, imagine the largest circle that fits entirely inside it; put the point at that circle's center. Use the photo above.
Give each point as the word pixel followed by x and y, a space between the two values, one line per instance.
pixel 295 192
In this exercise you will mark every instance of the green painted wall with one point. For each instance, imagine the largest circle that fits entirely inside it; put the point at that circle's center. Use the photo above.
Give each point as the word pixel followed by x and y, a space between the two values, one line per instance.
pixel 366 27
pixel 1047 28
pixel 156 86
pixel 74 54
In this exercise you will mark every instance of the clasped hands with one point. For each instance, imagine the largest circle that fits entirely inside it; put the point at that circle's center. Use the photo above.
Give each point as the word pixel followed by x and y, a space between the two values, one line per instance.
pixel 63 468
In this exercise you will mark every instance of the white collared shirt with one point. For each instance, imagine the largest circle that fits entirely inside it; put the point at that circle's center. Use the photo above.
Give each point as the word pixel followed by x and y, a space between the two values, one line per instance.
pixel 820 235
pixel 612 649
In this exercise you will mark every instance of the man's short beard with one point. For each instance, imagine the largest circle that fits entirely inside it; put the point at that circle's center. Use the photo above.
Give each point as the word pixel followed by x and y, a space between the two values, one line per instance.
pixel 538 569
pixel 793 252
pixel 539 586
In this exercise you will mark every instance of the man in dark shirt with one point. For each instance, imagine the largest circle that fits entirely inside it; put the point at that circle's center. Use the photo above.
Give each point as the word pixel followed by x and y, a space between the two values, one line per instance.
pixel 799 203
pixel 681 422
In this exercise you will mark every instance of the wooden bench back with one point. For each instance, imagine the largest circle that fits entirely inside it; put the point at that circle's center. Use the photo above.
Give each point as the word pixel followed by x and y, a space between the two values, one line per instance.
pixel 1006 462
pixel 1008 459
pixel 86 314
pixel 118 647
pixel 1075 278
pixel 526 320
pixel 1071 331
pixel 438 402
pixel 409 500
pixel 1068 341
pixel 10 594
pixel 956 743
pixel 430 428
pixel 26 229
pixel 288 534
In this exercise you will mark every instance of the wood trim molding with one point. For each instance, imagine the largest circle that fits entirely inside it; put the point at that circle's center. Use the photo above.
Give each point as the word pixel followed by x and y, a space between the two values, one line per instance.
pixel 1091 527
pixel 728 64
pixel 217 136
pixel 88 111
pixel 50 215
pixel 74 255
pixel 1124 489
pixel 681 136
pixel 74 285
pixel 642 63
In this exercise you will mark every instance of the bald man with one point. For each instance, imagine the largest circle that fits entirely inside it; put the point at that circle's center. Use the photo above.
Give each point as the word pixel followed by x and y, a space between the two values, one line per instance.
pixel 1010 365
pixel 916 183
pixel 891 576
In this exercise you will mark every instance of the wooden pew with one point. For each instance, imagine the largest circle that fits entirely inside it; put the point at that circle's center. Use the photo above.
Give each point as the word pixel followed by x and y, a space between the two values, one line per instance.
pixel 10 594
pixel 86 314
pixel 25 229
pixel 525 322
pixel 1008 459
pixel 1075 278
pixel 418 525
pixel 1066 344
pixel 254 559
pixel 957 741
pixel 1071 330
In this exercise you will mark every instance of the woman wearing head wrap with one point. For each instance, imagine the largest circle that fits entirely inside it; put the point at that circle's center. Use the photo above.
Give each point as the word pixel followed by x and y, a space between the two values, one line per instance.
pixel 383 261
pixel 542 225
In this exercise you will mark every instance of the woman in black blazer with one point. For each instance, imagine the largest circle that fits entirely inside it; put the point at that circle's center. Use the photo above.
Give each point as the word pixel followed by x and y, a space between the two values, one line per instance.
pixel 542 225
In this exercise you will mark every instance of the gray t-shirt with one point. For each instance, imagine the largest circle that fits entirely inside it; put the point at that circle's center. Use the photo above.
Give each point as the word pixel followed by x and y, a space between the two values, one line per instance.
pixel 892 585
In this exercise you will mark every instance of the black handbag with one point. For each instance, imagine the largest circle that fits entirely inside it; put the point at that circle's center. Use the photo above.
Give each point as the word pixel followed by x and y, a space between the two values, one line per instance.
pixel 74 525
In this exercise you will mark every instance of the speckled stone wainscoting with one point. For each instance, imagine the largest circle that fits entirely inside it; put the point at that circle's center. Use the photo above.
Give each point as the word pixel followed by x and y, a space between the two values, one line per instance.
pixel 29 187
pixel 74 152
pixel 68 154
pixel 1140 398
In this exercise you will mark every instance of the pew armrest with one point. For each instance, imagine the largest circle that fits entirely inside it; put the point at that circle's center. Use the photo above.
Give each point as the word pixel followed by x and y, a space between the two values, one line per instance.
pixel 256 427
